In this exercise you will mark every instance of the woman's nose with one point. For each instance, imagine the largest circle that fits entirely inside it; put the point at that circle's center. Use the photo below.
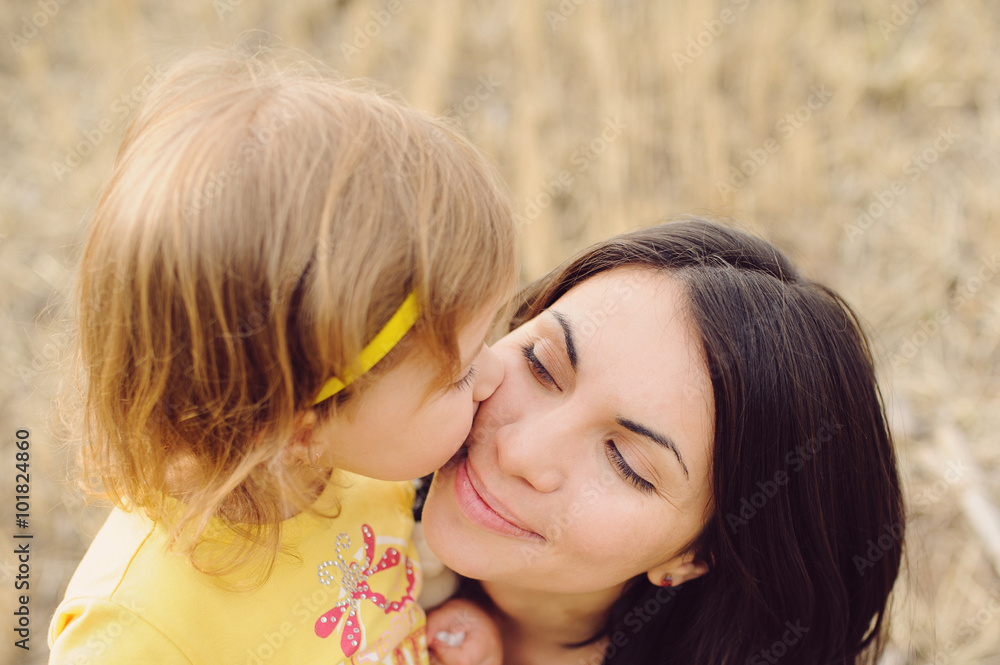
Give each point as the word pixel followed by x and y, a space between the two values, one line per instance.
pixel 489 374
pixel 525 451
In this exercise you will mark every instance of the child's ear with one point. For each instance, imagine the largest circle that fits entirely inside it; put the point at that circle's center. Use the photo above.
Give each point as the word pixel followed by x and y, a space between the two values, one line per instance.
pixel 300 450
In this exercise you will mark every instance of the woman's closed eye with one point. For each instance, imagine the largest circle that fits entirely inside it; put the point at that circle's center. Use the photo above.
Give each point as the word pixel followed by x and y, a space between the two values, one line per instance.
pixel 536 367
pixel 628 474
pixel 626 471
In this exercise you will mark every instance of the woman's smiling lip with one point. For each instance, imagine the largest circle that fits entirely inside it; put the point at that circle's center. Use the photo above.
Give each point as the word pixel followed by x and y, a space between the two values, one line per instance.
pixel 483 509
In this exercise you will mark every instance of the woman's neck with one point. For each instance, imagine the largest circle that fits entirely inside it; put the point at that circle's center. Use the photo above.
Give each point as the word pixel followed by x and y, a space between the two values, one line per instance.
pixel 537 625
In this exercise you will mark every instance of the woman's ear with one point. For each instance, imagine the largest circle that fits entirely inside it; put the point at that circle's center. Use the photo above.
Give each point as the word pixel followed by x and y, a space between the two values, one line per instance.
pixel 675 574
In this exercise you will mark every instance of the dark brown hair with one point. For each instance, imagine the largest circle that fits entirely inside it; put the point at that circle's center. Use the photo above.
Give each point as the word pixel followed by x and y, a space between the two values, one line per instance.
pixel 806 537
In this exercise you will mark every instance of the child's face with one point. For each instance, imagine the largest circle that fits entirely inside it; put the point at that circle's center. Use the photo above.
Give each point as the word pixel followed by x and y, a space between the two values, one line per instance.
pixel 396 434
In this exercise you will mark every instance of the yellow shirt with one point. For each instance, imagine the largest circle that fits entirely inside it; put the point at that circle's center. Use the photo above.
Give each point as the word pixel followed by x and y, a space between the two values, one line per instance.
pixel 345 595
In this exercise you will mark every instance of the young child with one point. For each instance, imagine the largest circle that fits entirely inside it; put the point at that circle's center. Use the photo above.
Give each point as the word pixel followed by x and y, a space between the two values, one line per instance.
pixel 283 300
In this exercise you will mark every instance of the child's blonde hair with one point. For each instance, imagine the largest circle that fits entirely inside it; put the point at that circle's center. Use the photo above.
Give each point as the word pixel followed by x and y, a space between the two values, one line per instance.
pixel 261 224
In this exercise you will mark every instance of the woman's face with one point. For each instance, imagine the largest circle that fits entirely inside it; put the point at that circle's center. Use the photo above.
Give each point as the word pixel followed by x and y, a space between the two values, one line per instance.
pixel 590 463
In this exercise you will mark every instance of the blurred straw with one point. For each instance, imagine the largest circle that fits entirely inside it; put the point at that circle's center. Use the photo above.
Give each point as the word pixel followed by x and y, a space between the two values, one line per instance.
pixel 977 506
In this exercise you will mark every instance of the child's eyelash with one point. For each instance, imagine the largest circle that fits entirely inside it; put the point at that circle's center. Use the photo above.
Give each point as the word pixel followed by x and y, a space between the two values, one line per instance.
pixel 466 380
pixel 536 366
pixel 625 470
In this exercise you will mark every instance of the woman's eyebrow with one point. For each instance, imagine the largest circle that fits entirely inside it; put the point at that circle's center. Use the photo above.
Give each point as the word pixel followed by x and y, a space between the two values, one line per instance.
pixel 568 335
pixel 656 437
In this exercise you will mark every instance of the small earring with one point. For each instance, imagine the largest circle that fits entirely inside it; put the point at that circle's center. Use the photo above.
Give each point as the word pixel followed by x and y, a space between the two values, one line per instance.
pixel 667 581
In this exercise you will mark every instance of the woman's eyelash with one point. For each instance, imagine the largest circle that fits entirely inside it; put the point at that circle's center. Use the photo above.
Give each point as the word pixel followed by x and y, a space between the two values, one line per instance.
pixel 467 380
pixel 536 366
pixel 626 471
pixel 630 476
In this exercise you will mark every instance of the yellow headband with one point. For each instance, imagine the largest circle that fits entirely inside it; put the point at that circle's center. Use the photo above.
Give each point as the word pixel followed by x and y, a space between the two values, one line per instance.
pixel 381 344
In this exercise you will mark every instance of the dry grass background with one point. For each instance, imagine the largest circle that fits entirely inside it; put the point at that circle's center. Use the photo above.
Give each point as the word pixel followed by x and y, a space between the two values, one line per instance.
pixel 599 126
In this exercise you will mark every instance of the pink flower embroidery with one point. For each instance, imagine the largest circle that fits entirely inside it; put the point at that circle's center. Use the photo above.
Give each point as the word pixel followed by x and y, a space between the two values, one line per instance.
pixel 354 580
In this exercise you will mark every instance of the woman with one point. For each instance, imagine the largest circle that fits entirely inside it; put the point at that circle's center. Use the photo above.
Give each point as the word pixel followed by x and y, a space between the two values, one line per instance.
pixel 687 462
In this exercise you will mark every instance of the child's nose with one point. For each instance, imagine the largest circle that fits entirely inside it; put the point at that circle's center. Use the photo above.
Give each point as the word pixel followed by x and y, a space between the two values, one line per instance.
pixel 489 376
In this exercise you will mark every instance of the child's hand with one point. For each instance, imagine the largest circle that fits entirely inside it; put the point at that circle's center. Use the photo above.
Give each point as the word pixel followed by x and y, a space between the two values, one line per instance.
pixel 461 633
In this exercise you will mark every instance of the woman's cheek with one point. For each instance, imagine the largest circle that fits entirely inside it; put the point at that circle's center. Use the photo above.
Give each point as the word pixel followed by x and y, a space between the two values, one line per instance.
pixel 504 405
pixel 622 527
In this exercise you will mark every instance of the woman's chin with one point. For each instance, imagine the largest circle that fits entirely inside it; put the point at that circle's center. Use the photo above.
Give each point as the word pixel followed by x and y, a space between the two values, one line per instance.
pixel 445 528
